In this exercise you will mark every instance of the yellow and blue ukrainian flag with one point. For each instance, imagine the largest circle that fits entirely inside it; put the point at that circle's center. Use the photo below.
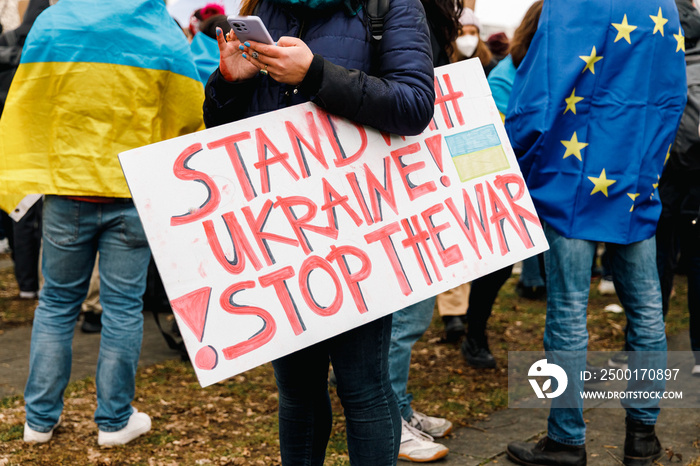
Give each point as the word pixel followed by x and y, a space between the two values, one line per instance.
pixel 593 113
pixel 206 55
pixel 95 79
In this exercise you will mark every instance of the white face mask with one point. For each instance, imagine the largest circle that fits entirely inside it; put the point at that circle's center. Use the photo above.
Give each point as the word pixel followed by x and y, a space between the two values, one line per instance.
pixel 467 44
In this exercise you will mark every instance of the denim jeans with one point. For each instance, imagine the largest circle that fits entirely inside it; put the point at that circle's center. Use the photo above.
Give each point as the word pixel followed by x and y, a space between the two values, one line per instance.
pixel 408 325
pixel 568 272
pixel 73 232
pixel 531 275
pixel 360 363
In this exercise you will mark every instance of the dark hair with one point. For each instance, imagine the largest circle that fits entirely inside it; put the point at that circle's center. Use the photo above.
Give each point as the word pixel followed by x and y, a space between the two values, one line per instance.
pixel 524 33
pixel 443 16
pixel 498 43
pixel 209 25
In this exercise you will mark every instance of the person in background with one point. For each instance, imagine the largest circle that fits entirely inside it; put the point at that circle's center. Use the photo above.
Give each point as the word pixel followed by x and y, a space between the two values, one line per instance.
pixel 678 232
pixel 143 91
pixel 4 238
pixel 498 44
pixel 452 307
pixel 484 291
pixel 452 304
pixel 591 147
pixel 409 324
pixel 324 54
pixel 469 43
pixel 9 15
pixel 606 285
pixel 24 234
pixel 202 14
pixel 204 46
pixel 531 283
pixel 471 304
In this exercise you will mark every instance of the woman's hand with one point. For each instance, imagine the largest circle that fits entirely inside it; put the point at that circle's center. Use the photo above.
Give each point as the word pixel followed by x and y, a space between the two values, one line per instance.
pixel 232 65
pixel 286 62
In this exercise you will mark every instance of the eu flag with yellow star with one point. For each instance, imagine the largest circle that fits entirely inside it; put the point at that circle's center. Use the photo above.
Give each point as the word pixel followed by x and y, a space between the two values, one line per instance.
pixel 593 113
pixel 95 79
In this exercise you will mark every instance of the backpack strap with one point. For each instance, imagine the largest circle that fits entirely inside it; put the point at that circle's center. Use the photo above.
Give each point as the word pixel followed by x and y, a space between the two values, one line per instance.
pixel 376 11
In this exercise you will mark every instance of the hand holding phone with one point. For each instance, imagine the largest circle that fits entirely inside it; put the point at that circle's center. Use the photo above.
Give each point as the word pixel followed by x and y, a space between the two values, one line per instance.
pixel 286 61
pixel 233 66
pixel 249 28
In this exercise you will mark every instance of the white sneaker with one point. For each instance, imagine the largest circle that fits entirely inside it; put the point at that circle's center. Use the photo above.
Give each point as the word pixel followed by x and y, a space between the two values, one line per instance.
pixel 433 426
pixel 419 447
pixel 32 436
pixel 696 370
pixel 606 287
pixel 619 360
pixel 5 246
pixel 139 424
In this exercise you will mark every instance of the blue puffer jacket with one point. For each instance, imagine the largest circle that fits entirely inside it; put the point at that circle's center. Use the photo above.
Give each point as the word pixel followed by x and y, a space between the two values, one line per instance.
pixel 400 99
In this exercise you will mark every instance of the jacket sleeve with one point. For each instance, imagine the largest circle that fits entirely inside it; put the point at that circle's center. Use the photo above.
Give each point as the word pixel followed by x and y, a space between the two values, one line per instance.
pixel 401 98
pixel 226 101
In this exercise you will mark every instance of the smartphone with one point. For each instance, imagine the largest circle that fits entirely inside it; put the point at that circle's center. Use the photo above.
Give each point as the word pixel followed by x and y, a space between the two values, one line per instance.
pixel 250 28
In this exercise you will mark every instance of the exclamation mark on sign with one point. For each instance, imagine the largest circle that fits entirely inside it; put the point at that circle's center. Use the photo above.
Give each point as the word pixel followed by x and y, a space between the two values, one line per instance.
pixel 434 144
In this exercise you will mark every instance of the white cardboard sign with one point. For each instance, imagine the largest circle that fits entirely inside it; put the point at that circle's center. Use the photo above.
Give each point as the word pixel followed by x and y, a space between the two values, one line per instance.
pixel 279 231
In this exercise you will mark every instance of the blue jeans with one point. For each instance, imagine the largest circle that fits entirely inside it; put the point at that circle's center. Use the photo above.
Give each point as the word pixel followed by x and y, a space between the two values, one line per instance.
pixel 360 363
pixel 568 272
pixel 73 232
pixel 531 275
pixel 409 324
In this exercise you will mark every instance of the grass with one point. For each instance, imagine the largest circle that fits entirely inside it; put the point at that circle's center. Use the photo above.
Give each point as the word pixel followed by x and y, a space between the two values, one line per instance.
pixel 235 422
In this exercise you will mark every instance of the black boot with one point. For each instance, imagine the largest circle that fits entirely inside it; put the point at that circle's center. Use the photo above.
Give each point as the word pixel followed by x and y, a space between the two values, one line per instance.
pixel 92 322
pixel 476 352
pixel 454 328
pixel 546 452
pixel 533 293
pixel 642 446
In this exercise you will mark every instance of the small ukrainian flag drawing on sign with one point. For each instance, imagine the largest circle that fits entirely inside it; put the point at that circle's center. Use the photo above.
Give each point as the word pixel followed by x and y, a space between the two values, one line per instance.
pixel 477 152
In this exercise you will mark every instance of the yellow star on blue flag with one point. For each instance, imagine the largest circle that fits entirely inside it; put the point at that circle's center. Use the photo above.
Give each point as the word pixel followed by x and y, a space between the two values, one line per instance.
pixel 590 60
pixel 659 22
pixel 623 30
pixel 601 183
pixel 571 102
pixel 573 147
pixel 680 39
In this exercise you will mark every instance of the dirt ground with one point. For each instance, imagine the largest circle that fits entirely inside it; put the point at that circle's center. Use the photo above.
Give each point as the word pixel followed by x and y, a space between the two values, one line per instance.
pixel 235 422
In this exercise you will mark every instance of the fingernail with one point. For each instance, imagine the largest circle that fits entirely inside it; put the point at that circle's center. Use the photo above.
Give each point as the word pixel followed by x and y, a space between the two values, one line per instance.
pixel 218 31
pixel 247 44
pixel 241 47
pixel 245 56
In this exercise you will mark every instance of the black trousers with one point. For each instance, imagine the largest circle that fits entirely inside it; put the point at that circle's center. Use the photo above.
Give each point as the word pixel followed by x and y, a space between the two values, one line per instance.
pixel 26 247
pixel 482 295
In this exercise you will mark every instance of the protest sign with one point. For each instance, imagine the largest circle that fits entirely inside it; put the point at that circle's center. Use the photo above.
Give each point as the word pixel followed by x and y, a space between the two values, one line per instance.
pixel 279 231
